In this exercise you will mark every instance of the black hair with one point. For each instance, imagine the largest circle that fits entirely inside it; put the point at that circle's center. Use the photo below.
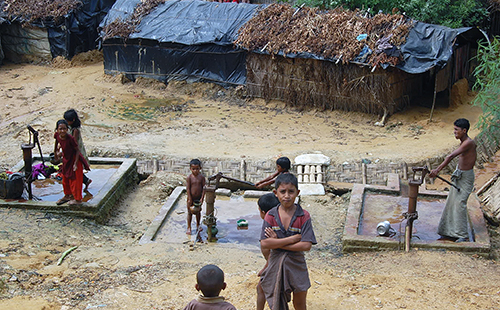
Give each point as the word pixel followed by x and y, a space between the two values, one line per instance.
pixel 61 121
pixel 210 279
pixel 462 123
pixel 286 178
pixel 195 161
pixel 284 162
pixel 267 202
pixel 71 115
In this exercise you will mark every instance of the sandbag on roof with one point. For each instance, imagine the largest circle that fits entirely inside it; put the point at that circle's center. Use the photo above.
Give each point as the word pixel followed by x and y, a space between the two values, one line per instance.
pixel 186 22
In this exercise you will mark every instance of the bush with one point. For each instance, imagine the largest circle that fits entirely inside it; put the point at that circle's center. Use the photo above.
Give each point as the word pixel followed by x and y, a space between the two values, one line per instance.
pixel 487 84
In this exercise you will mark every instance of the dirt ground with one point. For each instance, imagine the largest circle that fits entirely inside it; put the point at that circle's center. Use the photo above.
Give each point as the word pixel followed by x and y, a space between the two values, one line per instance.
pixel 110 270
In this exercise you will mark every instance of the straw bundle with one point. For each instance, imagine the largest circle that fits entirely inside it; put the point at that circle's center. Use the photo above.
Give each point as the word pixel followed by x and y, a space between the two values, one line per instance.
pixel 331 34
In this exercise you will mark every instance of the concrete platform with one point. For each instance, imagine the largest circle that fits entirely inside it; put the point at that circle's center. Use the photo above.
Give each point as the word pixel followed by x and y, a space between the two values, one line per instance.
pixel 356 239
pixel 99 205
pixel 169 225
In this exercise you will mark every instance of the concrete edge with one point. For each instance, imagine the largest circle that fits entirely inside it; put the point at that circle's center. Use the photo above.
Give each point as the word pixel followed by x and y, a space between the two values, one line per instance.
pixel 352 242
pixel 158 221
pixel 88 210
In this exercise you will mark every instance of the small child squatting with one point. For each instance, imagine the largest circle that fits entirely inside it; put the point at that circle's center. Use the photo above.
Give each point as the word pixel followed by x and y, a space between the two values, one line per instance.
pixel 195 188
pixel 287 269
pixel 210 281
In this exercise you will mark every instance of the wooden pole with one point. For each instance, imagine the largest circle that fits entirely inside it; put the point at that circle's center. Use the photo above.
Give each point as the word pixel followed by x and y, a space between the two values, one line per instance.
pixel 434 98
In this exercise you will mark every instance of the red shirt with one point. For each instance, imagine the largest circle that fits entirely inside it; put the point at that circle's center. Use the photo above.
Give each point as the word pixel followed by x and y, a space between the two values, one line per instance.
pixel 69 147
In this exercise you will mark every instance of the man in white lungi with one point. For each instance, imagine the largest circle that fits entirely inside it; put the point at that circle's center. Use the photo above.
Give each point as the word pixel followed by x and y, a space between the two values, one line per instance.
pixel 453 223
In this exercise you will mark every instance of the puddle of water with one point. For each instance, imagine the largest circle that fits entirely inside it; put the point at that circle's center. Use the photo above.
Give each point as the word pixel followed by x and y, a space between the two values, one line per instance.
pixel 380 207
pixel 52 189
pixel 146 110
pixel 227 211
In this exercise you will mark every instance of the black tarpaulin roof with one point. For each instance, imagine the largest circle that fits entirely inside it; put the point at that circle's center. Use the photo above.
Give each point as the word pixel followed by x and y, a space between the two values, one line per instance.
pixel 429 46
pixel 186 22
pixel 194 22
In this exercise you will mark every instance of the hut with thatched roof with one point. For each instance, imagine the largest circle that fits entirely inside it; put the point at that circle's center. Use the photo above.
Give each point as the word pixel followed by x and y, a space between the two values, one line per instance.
pixel 34 30
pixel 308 58
pixel 350 61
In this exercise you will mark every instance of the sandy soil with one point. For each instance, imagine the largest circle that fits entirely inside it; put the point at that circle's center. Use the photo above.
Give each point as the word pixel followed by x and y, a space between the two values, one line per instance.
pixel 109 270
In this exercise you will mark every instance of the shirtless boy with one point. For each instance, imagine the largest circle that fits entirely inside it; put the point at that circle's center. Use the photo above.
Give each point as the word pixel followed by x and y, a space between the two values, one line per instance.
pixel 453 223
pixel 195 184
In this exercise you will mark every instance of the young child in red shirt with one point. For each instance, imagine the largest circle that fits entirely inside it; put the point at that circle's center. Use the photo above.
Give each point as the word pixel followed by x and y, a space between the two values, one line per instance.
pixel 72 164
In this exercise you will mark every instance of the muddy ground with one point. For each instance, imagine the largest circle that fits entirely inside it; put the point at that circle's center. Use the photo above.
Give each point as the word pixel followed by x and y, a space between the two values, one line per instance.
pixel 110 270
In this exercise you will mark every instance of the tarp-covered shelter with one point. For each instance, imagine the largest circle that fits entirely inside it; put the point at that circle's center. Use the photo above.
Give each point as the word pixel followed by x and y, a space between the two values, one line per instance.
pixel 199 40
pixel 308 71
pixel 179 40
pixel 25 38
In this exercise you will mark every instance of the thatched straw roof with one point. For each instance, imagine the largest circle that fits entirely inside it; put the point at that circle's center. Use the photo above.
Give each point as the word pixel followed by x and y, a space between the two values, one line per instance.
pixel 337 34
pixel 31 10
pixel 121 28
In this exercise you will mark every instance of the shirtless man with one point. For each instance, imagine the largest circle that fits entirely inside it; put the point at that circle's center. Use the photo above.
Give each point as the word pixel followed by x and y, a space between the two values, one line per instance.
pixel 195 184
pixel 453 223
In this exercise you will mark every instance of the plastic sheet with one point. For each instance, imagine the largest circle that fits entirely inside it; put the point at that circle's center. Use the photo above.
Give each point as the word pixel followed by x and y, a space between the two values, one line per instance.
pixel 180 40
pixel 175 41
pixel 75 33
pixel 186 22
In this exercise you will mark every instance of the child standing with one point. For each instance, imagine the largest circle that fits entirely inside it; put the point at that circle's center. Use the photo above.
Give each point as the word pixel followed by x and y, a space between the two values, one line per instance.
pixel 266 202
pixel 283 164
pixel 74 122
pixel 195 184
pixel 210 281
pixel 72 164
pixel 287 269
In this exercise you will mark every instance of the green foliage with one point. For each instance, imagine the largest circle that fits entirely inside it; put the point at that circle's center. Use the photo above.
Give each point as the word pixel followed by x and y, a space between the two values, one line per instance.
pixel 450 13
pixel 488 86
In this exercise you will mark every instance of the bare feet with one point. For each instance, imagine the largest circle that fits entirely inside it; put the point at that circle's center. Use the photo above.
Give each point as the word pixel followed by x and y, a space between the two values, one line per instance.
pixel 75 202
pixel 188 231
pixel 87 184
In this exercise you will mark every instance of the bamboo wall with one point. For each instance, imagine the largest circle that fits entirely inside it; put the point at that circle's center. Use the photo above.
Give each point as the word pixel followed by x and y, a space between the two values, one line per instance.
pixel 348 172
pixel 324 85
